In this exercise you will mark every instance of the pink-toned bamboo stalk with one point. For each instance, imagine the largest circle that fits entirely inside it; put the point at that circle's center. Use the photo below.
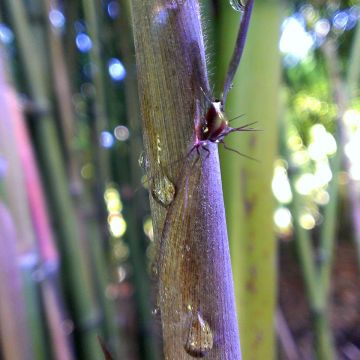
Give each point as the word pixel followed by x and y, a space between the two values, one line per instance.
pixel 37 204
pixel 14 339
pixel 48 255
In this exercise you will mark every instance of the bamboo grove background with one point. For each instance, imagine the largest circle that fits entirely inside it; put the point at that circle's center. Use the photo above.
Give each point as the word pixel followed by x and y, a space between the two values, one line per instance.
pixel 75 229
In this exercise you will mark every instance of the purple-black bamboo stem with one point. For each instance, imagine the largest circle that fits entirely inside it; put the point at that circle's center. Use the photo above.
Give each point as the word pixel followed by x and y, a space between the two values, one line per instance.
pixel 171 73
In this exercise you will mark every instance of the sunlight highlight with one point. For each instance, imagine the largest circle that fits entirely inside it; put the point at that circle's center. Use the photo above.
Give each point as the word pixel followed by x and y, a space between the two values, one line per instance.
pixel 295 41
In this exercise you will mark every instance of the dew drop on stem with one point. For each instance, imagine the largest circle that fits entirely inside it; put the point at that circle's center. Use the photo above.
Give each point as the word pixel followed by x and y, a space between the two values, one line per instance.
pixel 143 162
pixel 155 311
pixel 237 5
pixel 199 340
pixel 163 190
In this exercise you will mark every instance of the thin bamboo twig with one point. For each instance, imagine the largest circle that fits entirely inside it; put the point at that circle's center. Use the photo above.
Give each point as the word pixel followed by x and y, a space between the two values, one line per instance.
pixel 305 250
pixel 328 233
pixel 288 343
pixel 239 47
pixel 313 282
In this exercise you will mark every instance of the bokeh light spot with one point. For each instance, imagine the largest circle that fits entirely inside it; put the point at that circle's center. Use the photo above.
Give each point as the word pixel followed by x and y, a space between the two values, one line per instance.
pixel 6 34
pixel 282 218
pixel 87 171
pixel 83 42
pixel 57 18
pixel 116 69
pixel 106 139
pixel 117 225
pixel 122 133
pixel 113 9
pixel 295 41
pixel 307 221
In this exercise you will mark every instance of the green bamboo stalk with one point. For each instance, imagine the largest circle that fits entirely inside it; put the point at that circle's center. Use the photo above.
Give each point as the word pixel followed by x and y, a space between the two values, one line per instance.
pixel 313 281
pixel 317 277
pixel 35 318
pixel 74 263
pixel 311 271
pixel 62 90
pixel 342 88
pixel 353 72
pixel 81 194
pixel 71 12
pixel 124 34
pixel 93 18
pixel 247 185
pixel 306 252
pixel 352 80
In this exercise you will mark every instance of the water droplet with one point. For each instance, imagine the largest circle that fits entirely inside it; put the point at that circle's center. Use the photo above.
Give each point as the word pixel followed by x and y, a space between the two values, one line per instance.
pixel 154 270
pixel 143 161
pixel 237 5
pixel 199 339
pixel 163 191
pixel 158 148
pixel 155 311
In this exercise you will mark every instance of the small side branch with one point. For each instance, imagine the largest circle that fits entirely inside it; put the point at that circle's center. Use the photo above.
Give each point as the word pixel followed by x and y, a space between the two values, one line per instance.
pixel 239 48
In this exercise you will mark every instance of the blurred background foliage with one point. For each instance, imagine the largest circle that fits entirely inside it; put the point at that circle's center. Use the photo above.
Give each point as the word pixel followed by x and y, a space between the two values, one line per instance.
pixel 75 228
